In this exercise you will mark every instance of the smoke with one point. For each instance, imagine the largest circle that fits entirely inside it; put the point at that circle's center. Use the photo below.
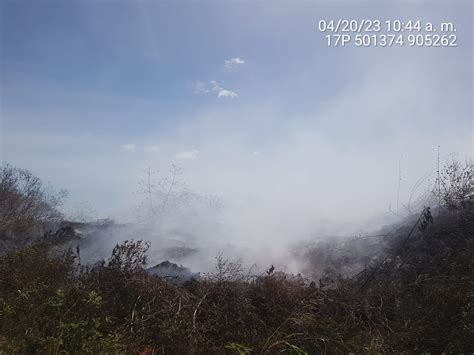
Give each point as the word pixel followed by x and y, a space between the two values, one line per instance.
pixel 312 154
pixel 325 172
pixel 320 173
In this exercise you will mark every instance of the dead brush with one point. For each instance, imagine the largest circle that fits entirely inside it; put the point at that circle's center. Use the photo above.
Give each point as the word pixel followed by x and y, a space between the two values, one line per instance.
pixel 419 300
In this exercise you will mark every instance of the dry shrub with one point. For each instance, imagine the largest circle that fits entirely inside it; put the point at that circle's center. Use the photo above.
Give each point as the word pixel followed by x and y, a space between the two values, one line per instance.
pixel 418 298
pixel 454 186
pixel 25 202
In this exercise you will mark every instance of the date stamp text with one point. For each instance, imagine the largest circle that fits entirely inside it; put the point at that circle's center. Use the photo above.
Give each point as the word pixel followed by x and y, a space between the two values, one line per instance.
pixel 387 33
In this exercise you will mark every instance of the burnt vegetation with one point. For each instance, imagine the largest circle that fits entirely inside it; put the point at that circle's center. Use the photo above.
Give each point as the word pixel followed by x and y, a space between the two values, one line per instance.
pixel 411 290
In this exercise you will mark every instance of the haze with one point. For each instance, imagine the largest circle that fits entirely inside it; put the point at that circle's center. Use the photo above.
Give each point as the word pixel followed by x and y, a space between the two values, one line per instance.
pixel 296 138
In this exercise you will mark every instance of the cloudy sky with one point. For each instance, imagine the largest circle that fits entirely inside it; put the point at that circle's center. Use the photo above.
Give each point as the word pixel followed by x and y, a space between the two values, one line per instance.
pixel 245 97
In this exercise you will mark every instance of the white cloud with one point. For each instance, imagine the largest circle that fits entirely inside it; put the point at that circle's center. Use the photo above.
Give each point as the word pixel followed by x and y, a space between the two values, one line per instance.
pixel 202 87
pixel 151 148
pixel 234 62
pixel 187 155
pixel 227 94
pixel 129 147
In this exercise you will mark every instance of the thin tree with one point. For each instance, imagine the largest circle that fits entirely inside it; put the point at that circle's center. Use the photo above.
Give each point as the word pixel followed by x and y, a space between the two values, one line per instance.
pixel 159 192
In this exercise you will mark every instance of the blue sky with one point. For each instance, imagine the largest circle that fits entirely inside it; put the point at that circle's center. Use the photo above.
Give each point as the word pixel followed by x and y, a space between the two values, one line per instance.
pixel 95 91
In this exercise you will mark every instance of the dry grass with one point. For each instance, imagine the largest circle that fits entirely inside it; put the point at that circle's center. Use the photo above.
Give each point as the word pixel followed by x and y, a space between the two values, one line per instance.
pixel 420 300
pixel 416 297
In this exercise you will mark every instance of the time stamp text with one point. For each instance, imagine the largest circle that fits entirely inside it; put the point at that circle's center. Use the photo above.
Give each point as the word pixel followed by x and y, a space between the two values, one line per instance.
pixel 387 33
